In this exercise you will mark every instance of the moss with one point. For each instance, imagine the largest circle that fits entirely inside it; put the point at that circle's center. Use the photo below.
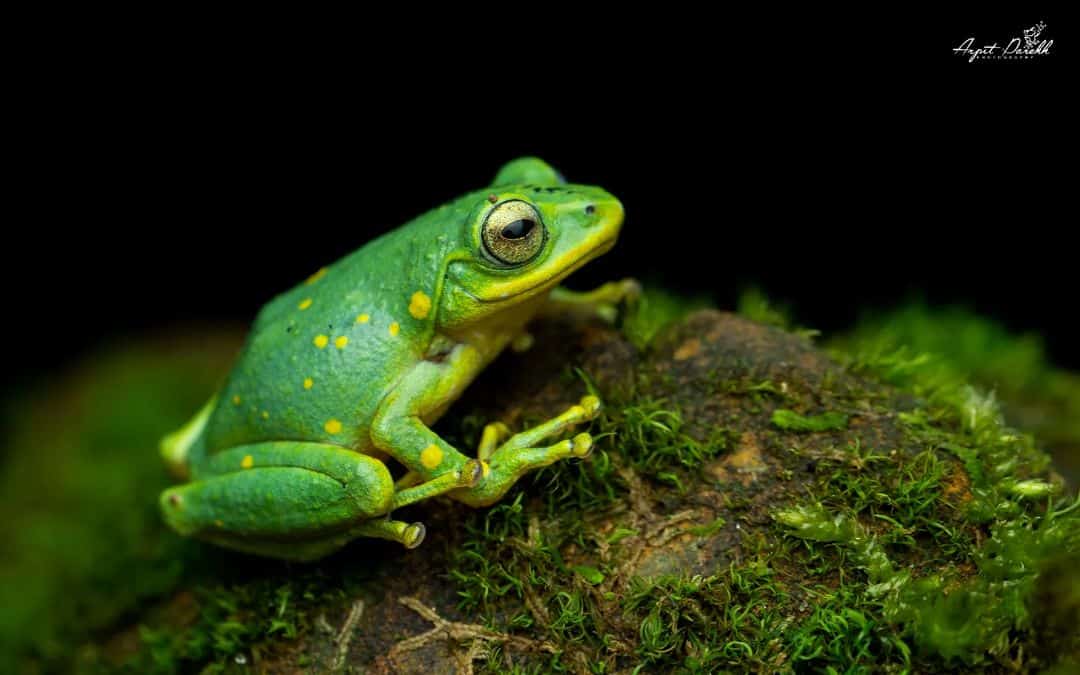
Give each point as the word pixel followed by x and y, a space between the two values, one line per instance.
pixel 652 436
pixel 896 523
pixel 655 310
pixel 789 420
pixel 756 306
pixel 1035 395
pixel 923 559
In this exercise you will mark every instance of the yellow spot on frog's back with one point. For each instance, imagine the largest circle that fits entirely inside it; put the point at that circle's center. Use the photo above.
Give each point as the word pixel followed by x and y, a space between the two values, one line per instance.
pixel 394 328
pixel 431 456
pixel 332 426
pixel 419 305
pixel 321 341
pixel 236 399
pixel 308 383
pixel 485 468
pixel 341 342
pixel 265 415
pixel 247 462
pixel 363 318
pixel 304 304
pixel 219 523
pixel 315 277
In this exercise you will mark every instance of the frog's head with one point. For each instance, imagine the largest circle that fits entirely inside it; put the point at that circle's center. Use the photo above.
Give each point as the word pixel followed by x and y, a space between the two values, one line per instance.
pixel 523 238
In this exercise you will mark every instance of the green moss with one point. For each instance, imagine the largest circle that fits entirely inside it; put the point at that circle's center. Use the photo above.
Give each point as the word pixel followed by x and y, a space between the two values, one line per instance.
pixel 948 612
pixel 704 624
pixel 245 620
pixel 789 420
pixel 756 306
pixel 753 304
pixel 963 346
pixel 945 547
pixel 655 310
pixel 925 561
pixel 590 574
pixel 653 437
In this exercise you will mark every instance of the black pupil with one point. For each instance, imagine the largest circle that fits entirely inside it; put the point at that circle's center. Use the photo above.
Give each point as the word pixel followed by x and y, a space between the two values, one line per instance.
pixel 518 228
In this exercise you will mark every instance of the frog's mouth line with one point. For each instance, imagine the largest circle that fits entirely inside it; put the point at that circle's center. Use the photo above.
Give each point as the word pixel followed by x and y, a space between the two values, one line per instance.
pixel 595 252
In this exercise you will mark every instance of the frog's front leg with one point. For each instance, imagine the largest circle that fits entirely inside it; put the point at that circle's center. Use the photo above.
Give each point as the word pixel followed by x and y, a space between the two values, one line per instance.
pixel 505 464
pixel 294 500
pixel 602 301
pixel 399 429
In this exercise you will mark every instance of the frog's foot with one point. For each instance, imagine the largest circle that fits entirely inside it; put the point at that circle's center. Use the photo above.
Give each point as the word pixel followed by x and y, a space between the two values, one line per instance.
pixel 409 535
pixel 522 342
pixel 496 432
pixel 602 301
pixel 504 464
pixel 508 465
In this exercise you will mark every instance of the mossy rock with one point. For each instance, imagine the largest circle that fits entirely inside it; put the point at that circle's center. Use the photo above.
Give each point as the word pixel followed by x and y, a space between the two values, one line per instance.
pixel 753 504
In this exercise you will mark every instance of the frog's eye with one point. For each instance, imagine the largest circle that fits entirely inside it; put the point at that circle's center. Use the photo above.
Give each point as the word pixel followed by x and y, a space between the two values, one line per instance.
pixel 513 232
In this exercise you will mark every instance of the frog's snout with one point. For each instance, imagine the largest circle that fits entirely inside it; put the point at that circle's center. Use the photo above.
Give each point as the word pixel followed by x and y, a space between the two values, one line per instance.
pixel 606 212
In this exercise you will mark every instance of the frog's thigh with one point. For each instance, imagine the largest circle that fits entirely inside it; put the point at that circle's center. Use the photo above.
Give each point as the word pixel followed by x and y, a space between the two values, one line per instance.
pixel 280 490
pixel 398 427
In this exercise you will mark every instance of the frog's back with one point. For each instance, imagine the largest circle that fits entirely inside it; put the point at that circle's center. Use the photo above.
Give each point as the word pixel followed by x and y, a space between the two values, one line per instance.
pixel 321 356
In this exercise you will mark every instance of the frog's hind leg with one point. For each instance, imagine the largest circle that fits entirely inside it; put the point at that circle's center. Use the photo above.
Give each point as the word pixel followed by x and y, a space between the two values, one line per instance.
pixel 409 535
pixel 297 501
pixel 287 499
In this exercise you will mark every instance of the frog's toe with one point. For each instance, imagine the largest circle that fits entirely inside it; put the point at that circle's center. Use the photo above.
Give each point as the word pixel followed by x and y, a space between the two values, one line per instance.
pixel 581 445
pixel 471 473
pixel 607 312
pixel 591 405
pixel 413 535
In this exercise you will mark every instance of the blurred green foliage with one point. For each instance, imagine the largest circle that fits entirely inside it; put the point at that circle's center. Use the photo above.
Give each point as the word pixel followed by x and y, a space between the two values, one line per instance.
pixel 81 541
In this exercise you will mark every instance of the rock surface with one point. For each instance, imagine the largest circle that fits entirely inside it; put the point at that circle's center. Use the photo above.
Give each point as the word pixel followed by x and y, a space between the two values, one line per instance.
pixel 687 541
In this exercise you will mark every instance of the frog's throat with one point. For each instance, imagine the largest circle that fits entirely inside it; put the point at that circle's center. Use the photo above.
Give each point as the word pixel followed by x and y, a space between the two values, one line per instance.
pixel 548 281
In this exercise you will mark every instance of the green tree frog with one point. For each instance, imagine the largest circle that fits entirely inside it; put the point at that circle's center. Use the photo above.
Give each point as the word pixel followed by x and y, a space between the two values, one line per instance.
pixel 351 367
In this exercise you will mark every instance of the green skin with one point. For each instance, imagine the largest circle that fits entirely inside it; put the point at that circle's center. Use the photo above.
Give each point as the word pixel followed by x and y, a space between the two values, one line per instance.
pixel 352 366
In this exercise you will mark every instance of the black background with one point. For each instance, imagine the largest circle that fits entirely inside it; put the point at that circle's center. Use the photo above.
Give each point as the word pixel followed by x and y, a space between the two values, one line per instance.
pixel 841 163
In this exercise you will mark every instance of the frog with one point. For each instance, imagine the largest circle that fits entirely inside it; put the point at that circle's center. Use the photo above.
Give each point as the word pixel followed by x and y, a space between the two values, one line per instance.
pixel 322 429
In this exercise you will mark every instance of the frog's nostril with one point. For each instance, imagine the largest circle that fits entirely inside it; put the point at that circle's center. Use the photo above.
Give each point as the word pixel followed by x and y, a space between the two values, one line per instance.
pixel 590 209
